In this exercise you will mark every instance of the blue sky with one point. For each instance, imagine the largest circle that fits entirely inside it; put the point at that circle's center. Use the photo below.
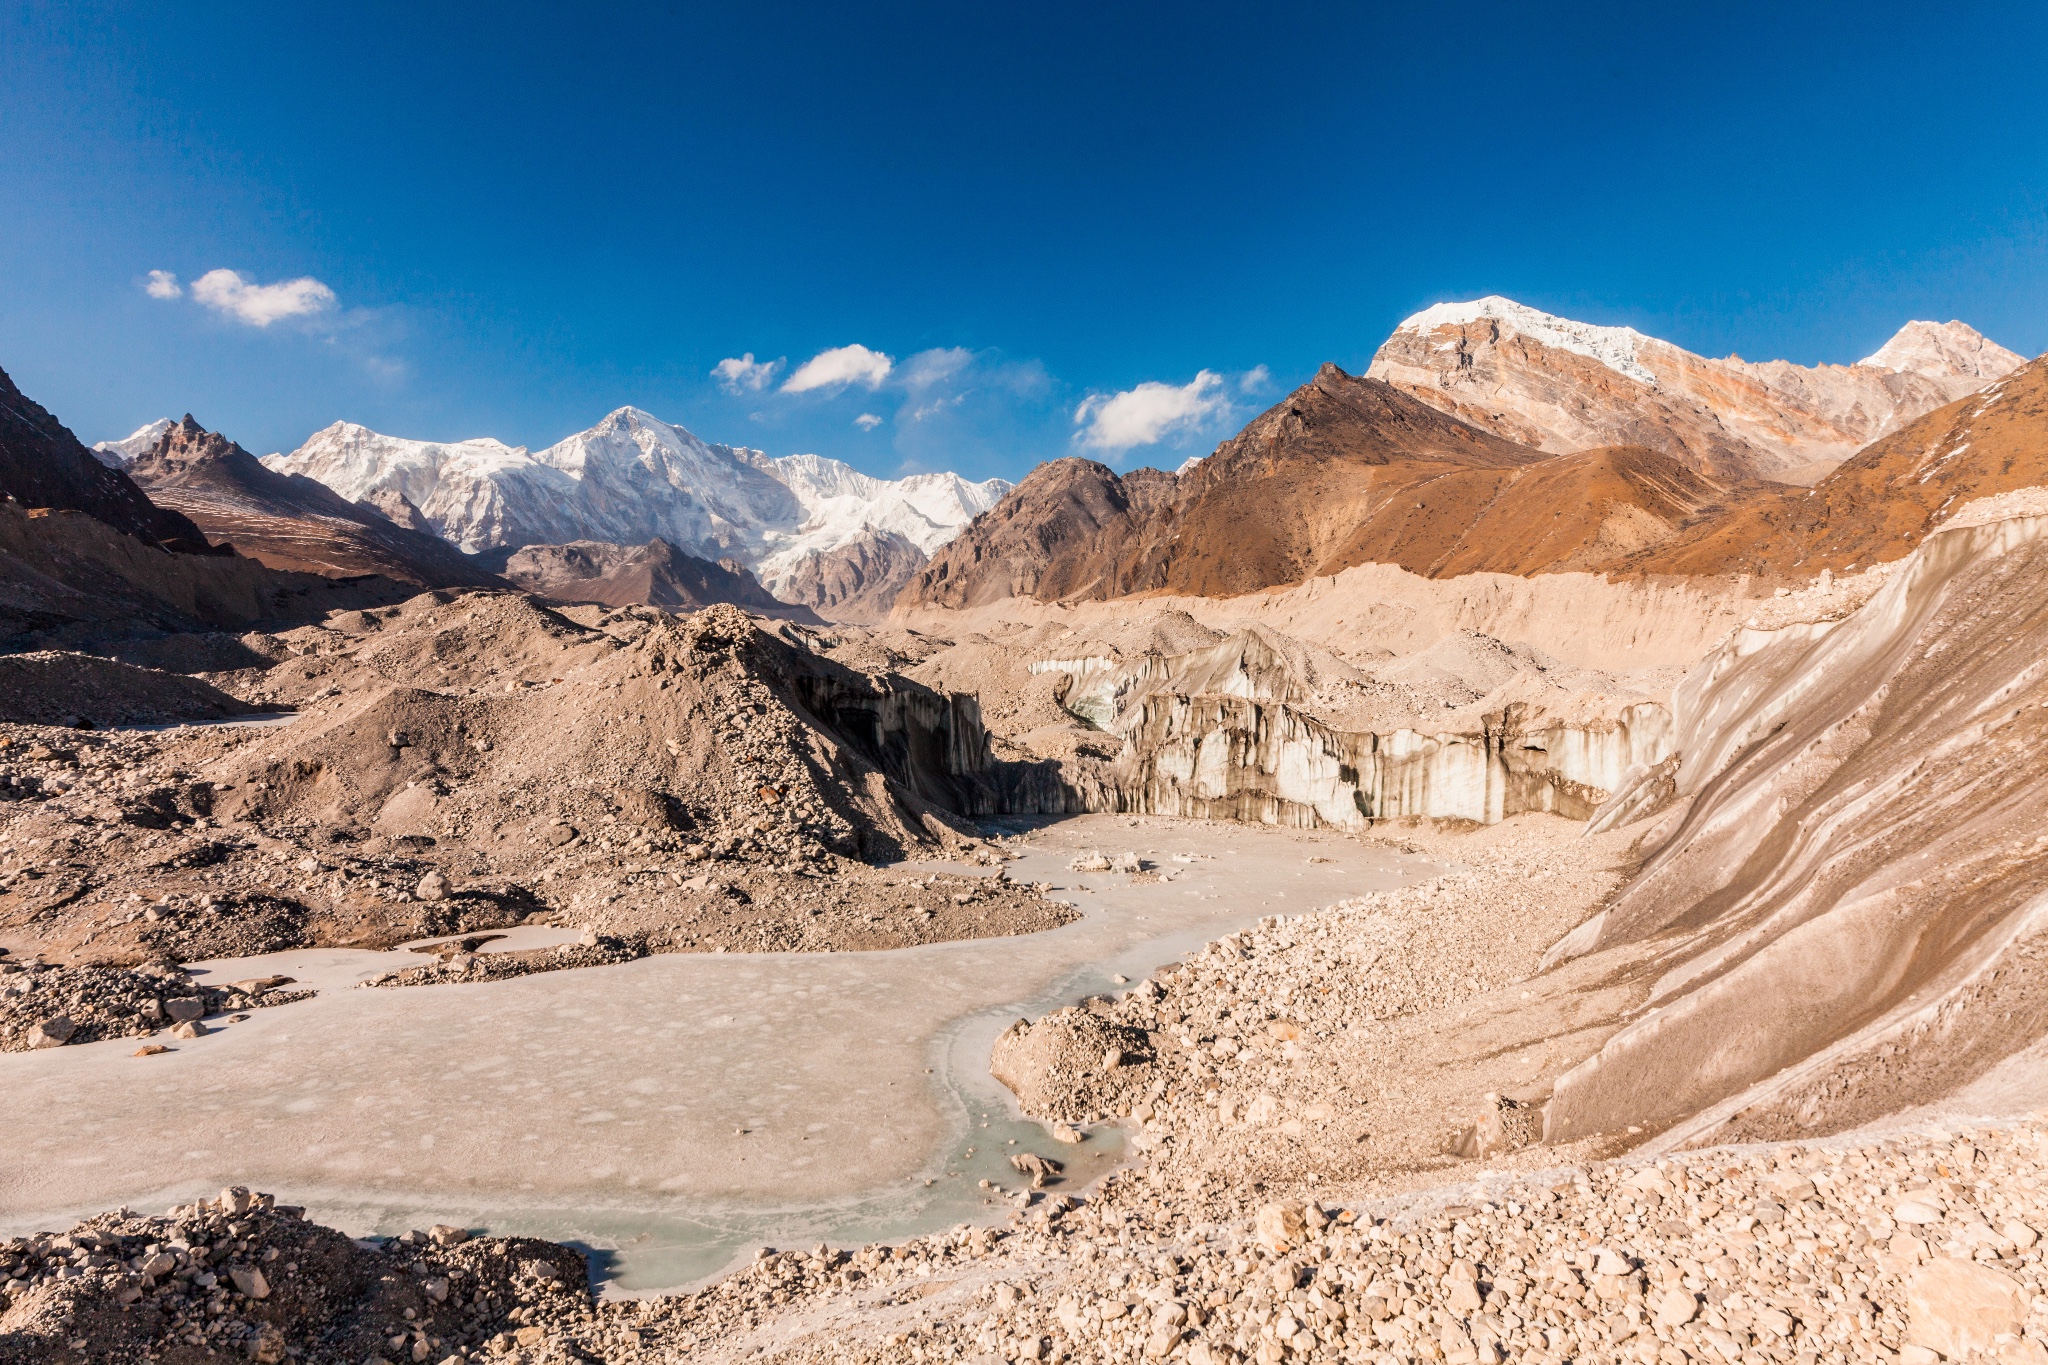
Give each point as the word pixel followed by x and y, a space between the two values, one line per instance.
pixel 523 217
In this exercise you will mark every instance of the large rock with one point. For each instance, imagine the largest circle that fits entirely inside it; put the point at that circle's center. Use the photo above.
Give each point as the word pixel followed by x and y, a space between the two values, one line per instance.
pixel 52 1032
pixel 1957 1307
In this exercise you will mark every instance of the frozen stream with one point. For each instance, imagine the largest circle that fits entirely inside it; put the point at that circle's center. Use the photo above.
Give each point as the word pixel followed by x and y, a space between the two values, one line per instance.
pixel 677 1110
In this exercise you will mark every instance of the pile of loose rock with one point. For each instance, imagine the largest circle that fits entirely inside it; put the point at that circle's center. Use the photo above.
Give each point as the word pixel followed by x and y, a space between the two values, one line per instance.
pixel 244 1278
pixel 49 1006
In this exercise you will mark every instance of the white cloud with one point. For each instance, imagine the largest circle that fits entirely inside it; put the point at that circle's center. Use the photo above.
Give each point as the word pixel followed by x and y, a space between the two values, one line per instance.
pixel 927 368
pixel 1149 413
pixel 867 421
pixel 745 374
pixel 838 367
pixel 1254 379
pixel 163 285
pixel 235 295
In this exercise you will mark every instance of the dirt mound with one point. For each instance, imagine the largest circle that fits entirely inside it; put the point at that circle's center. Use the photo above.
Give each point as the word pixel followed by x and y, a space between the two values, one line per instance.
pixel 466 761
pixel 49 688
pixel 288 521
pixel 1074 1064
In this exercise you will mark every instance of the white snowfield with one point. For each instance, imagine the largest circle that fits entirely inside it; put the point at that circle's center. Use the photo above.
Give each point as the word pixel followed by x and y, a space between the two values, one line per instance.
pixel 632 478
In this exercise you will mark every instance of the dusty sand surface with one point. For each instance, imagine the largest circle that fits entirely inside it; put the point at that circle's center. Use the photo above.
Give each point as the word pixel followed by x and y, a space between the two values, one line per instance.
pixel 702 1099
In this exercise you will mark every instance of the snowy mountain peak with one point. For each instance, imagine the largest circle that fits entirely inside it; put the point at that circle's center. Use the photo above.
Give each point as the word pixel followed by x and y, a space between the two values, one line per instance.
pixel 1944 350
pixel 1614 347
pixel 119 454
pixel 633 478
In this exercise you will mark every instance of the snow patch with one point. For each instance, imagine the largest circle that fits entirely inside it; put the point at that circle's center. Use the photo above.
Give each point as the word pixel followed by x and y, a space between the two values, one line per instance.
pixel 122 453
pixel 1614 347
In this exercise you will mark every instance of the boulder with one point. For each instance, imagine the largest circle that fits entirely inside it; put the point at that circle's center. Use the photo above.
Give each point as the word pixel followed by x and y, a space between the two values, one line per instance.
pixel 52 1032
pixel 1958 1307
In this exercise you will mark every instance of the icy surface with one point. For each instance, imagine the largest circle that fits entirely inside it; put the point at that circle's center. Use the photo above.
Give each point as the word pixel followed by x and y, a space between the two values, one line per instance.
pixel 683 1107
pixel 1614 347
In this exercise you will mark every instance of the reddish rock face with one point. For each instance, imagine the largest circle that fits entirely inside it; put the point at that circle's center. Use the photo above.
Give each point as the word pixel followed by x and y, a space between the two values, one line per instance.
pixel 1564 386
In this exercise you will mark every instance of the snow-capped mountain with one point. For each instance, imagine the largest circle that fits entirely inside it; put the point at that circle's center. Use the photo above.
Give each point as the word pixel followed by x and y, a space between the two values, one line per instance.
pixel 1561 385
pixel 840 503
pixel 633 478
pixel 120 454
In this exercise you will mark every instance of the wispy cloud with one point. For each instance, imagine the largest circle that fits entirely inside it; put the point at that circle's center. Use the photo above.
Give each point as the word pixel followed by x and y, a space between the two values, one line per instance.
pixel 162 284
pixel 744 374
pixel 1255 380
pixel 233 294
pixel 839 367
pixel 867 421
pixel 1150 413
pixel 929 368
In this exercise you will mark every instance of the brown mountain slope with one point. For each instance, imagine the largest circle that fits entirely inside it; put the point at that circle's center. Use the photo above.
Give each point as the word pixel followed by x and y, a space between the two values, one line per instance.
pixel 656 574
pixel 43 465
pixel 288 521
pixel 1066 531
pixel 1345 471
pixel 1881 504
pixel 1577 511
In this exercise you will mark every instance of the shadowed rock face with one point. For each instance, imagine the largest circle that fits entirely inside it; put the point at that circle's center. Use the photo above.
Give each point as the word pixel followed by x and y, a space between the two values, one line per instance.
pixel 656 574
pixel 1847 864
pixel 43 465
pixel 288 521
pixel 857 582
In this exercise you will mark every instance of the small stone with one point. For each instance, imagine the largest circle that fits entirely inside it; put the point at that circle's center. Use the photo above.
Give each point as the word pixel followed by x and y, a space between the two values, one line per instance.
pixel 1913 1211
pixel 447 1235
pixel 558 835
pixel 1039 1168
pixel 432 887
pixel 191 1028
pixel 1281 1226
pixel 150 1050
pixel 250 1281
pixel 184 1008
pixel 1112 1059
pixel 1066 1132
pixel 1675 1308
pixel 1464 1297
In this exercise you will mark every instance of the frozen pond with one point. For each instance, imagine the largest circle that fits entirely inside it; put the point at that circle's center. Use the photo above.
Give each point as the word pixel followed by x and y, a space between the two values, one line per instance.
pixel 680 1109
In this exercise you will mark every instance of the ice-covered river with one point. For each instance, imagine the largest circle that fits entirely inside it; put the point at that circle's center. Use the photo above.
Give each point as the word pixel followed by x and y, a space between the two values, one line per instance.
pixel 674 1111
